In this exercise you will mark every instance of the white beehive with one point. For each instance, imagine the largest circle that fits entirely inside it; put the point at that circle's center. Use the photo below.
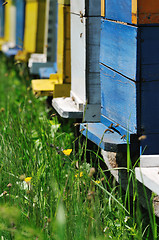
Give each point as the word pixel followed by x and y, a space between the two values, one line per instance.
pixel 85 76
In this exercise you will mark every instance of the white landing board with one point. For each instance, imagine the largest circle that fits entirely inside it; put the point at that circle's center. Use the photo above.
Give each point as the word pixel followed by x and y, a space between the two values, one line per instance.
pixel 149 177
pixel 149 161
pixel 66 108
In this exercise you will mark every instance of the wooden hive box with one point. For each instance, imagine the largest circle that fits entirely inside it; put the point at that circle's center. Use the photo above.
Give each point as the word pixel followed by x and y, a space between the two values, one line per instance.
pixel 10 26
pixel 34 30
pixel 38 65
pixel 131 11
pixel 1 19
pixel 85 80
pixel 19 31
pixel 58 83
pixel 129 63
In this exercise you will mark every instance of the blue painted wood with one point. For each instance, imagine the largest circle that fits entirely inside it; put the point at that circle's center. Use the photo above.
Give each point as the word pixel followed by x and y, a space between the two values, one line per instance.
pixel 20 21
pixel 107 122
pixel 131 51
pixel 149 45
pixel 45 72
pixel 150 145
pixel 106 140
pixel 119 47
pixel 1 19
pixel 119 98
pixel 11 52
pixel 119 10
pixel 150 108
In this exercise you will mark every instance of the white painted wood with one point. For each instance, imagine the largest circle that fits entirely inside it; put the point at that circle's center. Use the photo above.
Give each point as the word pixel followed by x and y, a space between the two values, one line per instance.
pixel 86 7
pixel 149 177
pixel 78 57
pixel 149 161
pixel 36 57
pixel 66 108
pixel 7 45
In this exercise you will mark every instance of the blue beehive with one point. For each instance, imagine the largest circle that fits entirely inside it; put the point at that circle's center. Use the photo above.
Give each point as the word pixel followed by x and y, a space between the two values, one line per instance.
pixel 1 19
pixel 129 74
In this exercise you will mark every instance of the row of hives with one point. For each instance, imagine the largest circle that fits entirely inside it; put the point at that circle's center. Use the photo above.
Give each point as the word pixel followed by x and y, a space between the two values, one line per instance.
pixel 99 59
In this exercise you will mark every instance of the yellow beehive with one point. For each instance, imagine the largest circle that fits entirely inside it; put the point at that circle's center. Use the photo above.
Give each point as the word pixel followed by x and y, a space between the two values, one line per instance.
pixel 6 37
pixel 34 29
pixel 59 83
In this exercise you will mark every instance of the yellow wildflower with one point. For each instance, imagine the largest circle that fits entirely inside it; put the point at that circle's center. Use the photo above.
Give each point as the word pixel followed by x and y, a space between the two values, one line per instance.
pixel 28 179
pixel 97 181
pixel 80 175
pixel 67 152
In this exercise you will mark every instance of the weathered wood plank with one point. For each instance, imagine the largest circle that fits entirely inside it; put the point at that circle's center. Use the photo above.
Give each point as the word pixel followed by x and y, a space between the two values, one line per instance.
pixel 119 10
pixel 119 48
pixel 118 98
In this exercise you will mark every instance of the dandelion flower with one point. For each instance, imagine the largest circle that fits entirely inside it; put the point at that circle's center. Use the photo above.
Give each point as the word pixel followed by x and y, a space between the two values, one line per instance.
pixel 80 174
pixel 28 179
pixel 97 181
pixel 67 152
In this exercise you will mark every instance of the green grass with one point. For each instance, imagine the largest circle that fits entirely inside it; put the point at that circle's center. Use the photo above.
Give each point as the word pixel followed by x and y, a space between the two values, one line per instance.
pixel 65 199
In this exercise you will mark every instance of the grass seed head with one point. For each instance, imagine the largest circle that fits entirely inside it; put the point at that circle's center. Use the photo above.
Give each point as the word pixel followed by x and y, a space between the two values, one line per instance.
pixel 92 172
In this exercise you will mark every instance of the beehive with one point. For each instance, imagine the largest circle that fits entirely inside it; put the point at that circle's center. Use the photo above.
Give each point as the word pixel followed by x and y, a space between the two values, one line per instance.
pixel 19 29
pixel 59 83
pixel 34 29
pixel 39 62
pixel 85 81
pixel 129 75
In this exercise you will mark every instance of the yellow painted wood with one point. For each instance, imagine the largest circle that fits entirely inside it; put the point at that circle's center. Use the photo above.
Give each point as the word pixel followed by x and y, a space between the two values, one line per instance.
pixel 40 37
pixel 7 21
pixel 62 90
pixel 22 56
pixel 44 87
pixel 34 31
pixel 7 24
pixel 103 8
pixel 65 2
pixel 134 11
pixel 59 83
pixel 30 31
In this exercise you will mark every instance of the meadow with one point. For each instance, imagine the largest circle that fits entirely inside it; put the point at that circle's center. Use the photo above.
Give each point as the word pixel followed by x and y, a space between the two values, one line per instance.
pixel 52 184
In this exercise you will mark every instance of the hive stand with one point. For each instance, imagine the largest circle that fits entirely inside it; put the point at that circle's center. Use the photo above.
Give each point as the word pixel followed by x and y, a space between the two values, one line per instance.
pixel 34 29
pixel 6 37
pixel 48 59
pixel 59 83
pixel 84 97
pixel 129 74
pixel 19 31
